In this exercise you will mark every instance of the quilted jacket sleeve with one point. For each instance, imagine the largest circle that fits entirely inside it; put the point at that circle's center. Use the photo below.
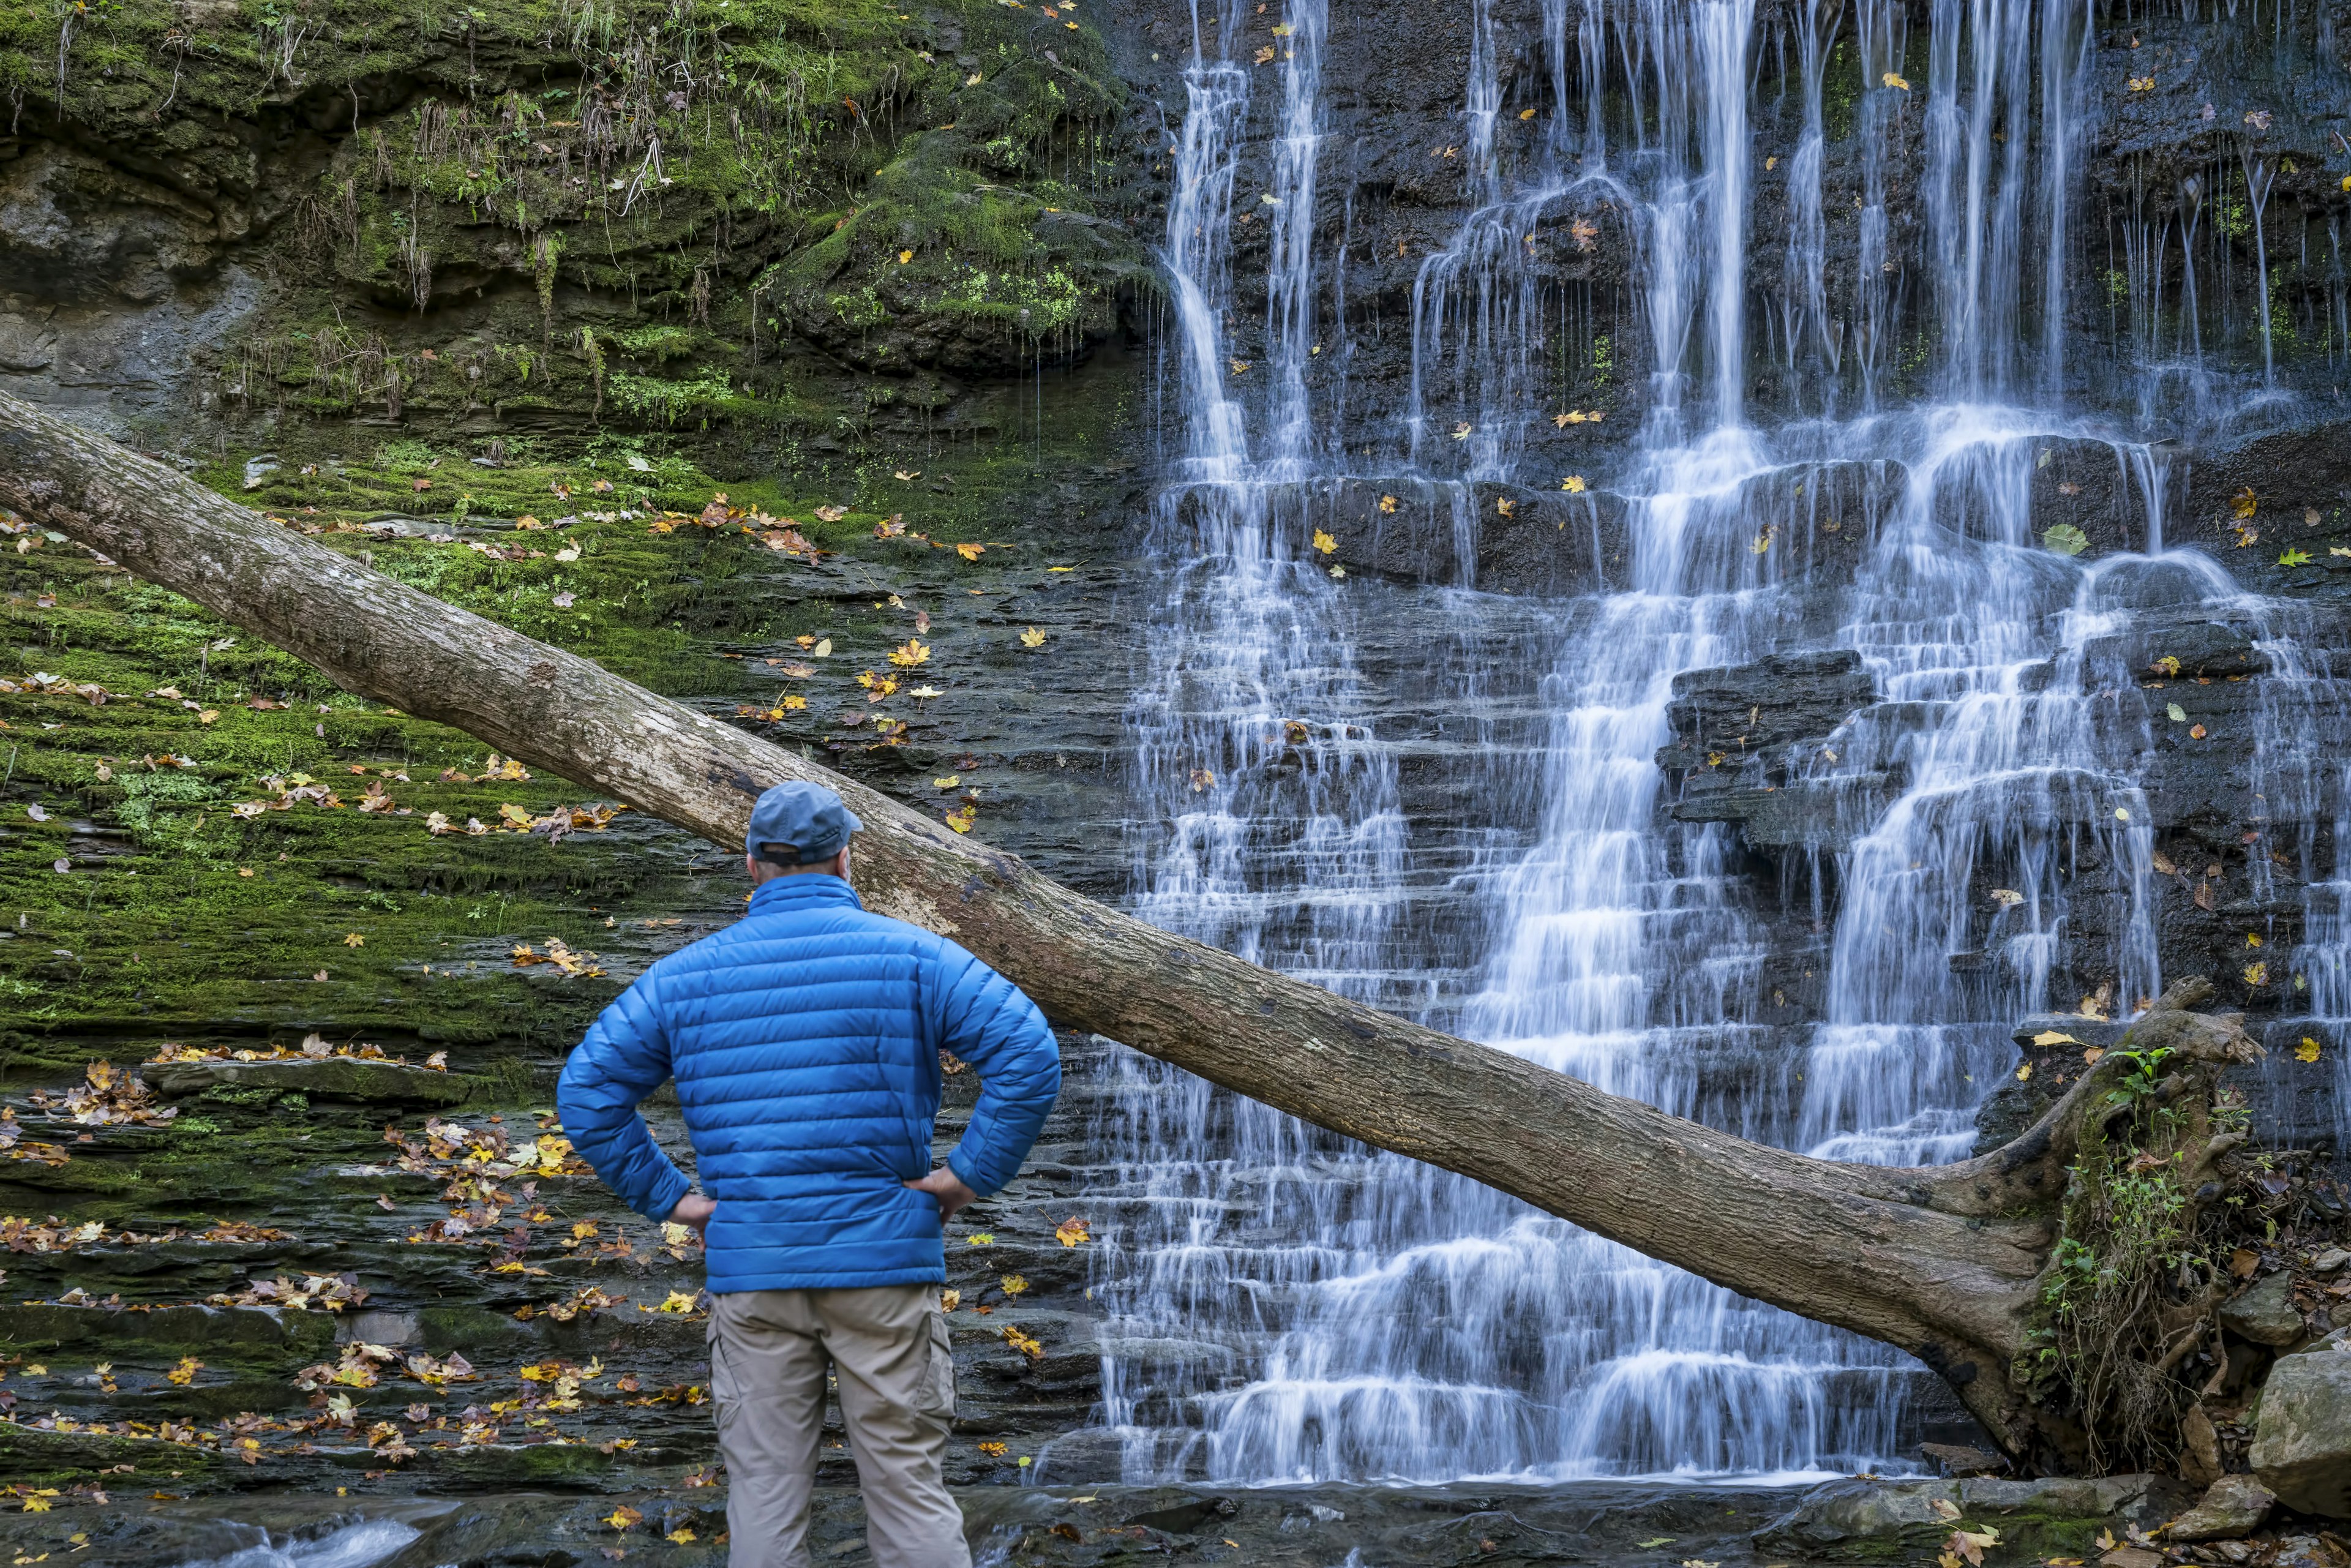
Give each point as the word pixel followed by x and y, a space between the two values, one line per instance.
pixel 624 1058
pixel 985 1019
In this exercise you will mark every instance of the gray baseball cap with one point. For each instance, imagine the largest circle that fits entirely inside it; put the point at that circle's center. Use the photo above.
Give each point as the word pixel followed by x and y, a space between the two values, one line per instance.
pixel 801 823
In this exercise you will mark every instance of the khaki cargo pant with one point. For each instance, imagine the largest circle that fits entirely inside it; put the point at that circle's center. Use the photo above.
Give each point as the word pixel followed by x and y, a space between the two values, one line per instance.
pixel 887 1346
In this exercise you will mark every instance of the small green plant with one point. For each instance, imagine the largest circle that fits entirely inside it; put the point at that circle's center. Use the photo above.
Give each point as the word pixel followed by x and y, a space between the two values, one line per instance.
pixel 2142 1077
pixel 404 456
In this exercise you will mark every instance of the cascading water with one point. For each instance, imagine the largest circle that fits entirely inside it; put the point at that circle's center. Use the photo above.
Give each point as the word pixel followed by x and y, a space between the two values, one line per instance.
pixel 1284 1306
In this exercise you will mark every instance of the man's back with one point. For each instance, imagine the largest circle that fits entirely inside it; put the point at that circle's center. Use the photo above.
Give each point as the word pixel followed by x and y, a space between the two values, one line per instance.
pixel 805 1043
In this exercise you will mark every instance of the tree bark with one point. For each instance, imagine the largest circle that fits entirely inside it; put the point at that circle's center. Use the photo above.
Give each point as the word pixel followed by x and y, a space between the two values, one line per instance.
pixel 1941 1261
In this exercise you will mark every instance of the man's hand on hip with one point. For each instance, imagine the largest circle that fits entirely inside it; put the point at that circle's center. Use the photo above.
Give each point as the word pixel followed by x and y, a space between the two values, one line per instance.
pixel 947 1187
pixel 694 1209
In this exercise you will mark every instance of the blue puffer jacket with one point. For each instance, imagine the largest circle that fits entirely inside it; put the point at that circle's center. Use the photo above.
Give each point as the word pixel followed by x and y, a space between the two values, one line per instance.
pixel 805 1040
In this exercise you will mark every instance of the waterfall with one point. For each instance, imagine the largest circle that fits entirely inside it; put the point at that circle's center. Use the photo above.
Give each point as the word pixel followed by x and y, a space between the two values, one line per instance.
pixel 1283 1305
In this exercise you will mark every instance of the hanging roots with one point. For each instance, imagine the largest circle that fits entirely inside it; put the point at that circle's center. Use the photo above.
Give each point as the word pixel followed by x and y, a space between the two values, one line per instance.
pixel 2140 1267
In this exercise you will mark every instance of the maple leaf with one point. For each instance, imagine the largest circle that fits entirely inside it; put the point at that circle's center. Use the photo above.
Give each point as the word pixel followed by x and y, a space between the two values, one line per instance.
pixel 2257 974
pixel 1572 484
pixel 1893 80
pixel 993 1450
pixel 1029 1348
pixel 1033 638
pixel 1324 542
pixel 909 654
pixel 2243 503
pixel 833 514
pixel 1073 1231
pixel 969 551
pixel 1505 507
pixel 185 1372
pixel 2307 1050
pixel 1387 503
pixel 961 822
pixel 625 1518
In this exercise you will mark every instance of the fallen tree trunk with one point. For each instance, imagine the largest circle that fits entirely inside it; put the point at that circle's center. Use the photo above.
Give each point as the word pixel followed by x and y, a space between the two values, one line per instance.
pixel 1944 1262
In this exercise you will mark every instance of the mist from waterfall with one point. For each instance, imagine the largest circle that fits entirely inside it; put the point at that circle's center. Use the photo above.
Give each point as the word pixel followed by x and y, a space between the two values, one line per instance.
pixel 1286 1306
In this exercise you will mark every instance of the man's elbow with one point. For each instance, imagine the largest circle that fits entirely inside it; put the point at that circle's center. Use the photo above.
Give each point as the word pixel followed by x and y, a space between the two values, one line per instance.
pixel 1038 1077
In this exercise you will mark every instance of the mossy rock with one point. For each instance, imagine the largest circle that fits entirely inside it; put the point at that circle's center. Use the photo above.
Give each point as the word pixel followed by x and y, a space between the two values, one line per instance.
pixel 1867 1520
pixel 31 1457
pixel 323 1078
pixel 195 1329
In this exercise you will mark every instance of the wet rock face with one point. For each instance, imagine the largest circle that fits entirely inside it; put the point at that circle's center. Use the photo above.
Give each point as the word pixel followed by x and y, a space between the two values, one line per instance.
pixel 1048 1527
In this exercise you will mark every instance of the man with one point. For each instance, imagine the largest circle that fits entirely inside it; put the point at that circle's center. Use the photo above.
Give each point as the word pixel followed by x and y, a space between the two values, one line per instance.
pixel 805 1041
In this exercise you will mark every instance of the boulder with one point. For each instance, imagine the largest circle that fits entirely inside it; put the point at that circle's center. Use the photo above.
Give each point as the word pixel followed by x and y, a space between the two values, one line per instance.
pixel 2264 1312
pixel 2302 1430
pixel 1869 1520
pixel 2230 1508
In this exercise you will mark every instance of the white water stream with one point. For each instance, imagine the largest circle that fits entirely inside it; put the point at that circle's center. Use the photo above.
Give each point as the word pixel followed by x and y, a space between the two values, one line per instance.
pixel 1287 1307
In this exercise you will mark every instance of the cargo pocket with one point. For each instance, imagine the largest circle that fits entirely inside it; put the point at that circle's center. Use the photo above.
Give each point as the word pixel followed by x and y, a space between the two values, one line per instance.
pixel 935 1396
pixel 722 1380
